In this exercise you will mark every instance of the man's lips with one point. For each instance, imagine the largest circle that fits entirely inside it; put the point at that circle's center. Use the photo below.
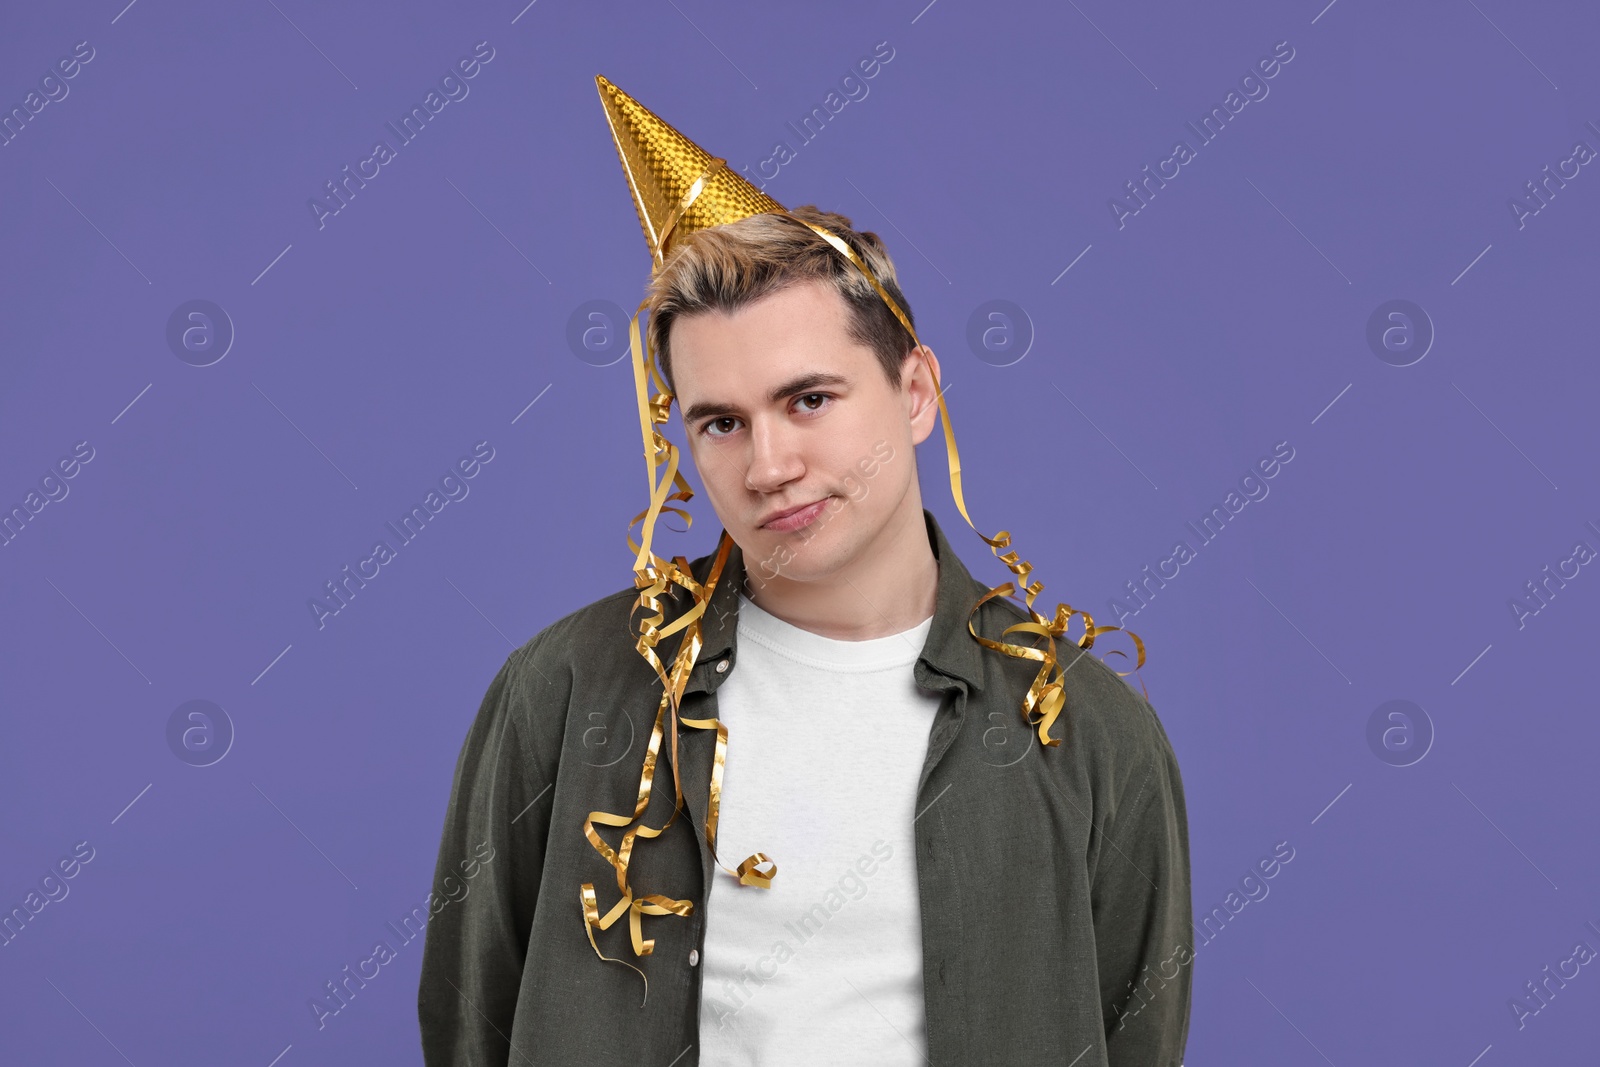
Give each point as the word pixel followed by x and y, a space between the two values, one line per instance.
pixel 794 518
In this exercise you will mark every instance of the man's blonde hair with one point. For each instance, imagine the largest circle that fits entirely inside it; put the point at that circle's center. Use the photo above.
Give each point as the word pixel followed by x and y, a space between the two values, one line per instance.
pixel 726 267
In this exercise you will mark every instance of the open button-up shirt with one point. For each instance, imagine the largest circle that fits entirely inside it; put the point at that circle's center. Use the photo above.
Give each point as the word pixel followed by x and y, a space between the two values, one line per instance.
pixel 1053 882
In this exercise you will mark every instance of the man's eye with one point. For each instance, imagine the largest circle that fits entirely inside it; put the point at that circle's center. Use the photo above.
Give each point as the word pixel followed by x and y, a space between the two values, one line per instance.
pixel 817 396
pixel 714 422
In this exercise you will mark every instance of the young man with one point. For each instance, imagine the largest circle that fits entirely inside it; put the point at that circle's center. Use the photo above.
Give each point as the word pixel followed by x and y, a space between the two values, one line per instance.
pixel 921 882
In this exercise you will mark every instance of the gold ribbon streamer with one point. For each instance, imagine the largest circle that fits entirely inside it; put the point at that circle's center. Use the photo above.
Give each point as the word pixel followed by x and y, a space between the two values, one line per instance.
pixel 652 576
pixel 1041 706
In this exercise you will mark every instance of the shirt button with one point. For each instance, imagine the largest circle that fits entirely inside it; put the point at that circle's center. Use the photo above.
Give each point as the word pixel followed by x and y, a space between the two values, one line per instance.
pixel 694 956
pixel 722 666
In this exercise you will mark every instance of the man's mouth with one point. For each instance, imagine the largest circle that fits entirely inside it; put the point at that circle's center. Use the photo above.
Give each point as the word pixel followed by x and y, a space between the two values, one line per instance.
pixel 795 518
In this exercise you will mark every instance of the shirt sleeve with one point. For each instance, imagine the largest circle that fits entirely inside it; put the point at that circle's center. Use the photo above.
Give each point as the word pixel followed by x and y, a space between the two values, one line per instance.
pixel 1143 919
pixel 486 879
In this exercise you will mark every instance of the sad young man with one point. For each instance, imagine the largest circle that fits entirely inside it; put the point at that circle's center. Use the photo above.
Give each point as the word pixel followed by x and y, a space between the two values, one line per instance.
pixel 923 880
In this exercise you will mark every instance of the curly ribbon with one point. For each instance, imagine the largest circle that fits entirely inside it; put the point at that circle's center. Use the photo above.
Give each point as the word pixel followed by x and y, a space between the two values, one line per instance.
pixel 1042 705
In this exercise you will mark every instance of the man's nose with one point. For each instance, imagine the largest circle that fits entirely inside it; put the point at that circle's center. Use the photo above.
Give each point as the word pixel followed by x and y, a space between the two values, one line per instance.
pixel 774 456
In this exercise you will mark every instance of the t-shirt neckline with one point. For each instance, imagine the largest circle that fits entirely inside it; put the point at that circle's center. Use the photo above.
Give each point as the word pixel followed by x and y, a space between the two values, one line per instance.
pixel 878 653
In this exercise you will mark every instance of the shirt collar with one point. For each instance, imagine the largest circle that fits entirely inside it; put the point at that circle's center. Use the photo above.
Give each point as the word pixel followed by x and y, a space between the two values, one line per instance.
pixel 949 649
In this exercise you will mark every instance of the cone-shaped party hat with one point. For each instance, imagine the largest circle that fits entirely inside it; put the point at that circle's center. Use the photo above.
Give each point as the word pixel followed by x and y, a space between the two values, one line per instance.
pixel 662 167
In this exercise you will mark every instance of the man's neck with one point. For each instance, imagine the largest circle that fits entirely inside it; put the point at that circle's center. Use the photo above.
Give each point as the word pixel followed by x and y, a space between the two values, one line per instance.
pixel 891 587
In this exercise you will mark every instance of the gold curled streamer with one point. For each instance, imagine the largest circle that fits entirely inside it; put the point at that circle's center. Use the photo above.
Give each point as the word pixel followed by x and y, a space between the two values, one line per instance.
pixel 652 576
pixel 1041 706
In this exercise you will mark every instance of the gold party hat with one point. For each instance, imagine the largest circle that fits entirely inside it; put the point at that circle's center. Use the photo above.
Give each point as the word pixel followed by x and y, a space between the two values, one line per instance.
pixel 663 166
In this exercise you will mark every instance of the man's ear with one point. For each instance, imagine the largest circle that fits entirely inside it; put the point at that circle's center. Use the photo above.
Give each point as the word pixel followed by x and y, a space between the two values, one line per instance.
pixel 918 374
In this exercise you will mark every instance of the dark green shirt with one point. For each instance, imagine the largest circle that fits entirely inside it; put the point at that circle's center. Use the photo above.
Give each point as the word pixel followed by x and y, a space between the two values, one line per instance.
pixel 1054 882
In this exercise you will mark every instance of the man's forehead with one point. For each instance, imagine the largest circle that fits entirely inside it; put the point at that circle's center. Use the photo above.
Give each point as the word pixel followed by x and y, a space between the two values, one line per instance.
pixel 764 352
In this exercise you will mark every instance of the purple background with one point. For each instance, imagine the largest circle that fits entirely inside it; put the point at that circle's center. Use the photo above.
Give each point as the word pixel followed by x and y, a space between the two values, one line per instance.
pixel 1226 316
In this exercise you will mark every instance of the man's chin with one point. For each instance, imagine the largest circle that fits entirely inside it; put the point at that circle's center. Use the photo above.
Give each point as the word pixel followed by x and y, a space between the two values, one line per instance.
pixel 804 555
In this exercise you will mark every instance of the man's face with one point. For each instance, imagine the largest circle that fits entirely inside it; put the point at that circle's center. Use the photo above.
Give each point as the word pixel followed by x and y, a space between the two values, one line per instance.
pixel 783 408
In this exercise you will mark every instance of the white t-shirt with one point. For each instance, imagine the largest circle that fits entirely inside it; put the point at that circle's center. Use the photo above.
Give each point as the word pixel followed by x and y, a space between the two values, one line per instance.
pixel 826 741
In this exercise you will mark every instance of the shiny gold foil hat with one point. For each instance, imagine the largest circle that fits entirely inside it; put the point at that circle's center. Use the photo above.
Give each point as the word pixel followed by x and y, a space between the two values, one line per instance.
pixel 663 168
pixel 679 189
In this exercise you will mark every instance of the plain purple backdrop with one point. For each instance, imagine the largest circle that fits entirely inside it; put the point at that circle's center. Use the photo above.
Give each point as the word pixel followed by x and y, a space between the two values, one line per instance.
pixel 371 352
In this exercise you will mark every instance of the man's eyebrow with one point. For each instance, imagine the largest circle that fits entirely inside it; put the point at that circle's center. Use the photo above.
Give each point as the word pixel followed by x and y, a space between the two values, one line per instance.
pixel 803 384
